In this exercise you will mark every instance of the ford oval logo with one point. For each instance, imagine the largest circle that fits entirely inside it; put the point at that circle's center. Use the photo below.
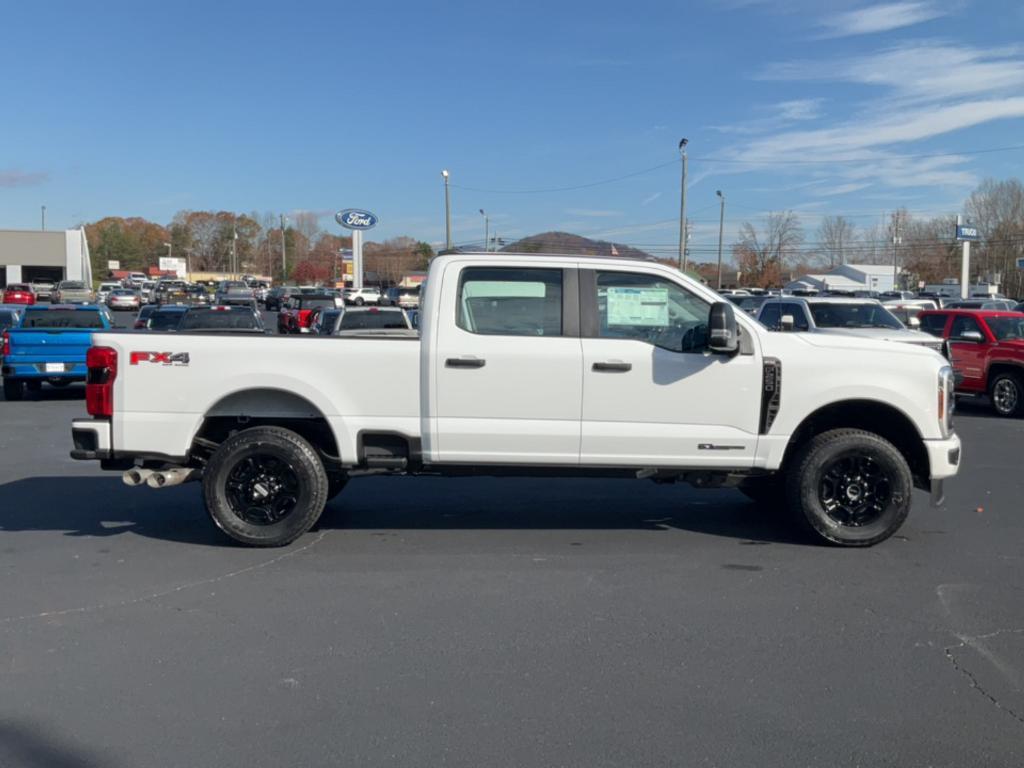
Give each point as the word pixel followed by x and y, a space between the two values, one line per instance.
pixel 353 218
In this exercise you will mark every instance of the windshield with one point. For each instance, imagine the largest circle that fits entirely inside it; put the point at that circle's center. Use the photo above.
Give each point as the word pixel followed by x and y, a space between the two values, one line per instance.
pixel 7 318
pixel 850 315
pixel 219 320
pixel 1006 328
pixel 62 318
pixel 359 321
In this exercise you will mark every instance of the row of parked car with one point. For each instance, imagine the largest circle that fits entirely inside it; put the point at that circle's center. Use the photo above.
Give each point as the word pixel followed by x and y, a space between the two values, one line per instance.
pixel 985 343
pixel 64 292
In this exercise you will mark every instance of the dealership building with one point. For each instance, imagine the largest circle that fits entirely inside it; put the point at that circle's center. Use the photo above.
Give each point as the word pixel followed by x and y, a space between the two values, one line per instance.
pixel 27 255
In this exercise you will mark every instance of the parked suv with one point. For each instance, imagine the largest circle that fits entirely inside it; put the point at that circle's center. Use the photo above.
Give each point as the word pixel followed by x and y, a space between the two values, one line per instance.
pixel 360 296
pixel 987 349
pixel 840 316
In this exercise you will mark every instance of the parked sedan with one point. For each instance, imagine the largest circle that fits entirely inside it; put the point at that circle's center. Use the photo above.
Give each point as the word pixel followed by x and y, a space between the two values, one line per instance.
pixel 124 298
pixel 19 293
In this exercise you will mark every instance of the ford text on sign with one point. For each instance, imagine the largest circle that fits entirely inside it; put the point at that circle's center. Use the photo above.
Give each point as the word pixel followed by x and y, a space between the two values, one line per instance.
pixel 353 218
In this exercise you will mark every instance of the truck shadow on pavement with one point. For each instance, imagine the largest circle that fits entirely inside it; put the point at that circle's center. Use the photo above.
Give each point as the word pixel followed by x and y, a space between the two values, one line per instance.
pixel 104 506
pixel 26 746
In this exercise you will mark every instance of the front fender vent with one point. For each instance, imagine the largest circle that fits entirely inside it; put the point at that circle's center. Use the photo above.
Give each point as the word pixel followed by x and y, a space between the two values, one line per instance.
pixel 771 393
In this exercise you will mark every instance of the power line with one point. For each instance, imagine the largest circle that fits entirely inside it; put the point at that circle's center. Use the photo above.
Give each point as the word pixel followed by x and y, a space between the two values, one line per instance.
pixel 743 161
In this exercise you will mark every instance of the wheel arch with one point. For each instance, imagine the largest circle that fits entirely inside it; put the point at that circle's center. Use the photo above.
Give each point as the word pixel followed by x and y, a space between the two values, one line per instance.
pixel 266 406
pixel 875 416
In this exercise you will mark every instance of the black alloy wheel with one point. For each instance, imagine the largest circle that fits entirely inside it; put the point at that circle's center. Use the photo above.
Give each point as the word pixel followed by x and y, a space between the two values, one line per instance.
pixel 849 487
pixel 262 489
pixel 265 486
pixel 854 489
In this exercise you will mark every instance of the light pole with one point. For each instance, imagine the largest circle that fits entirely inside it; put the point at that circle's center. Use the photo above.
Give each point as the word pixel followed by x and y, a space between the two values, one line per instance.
pixel 43 226
pixel 487 228
pixel 447 213
pixel 188 262
pixel 682 209
pixel 895 240
pixel 721 226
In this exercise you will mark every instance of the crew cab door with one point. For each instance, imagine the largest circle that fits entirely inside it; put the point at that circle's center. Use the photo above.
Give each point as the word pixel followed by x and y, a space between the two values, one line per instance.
pixel 507 366
pixel 652 393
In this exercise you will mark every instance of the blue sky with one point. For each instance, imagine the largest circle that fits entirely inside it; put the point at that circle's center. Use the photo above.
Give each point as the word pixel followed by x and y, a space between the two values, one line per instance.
pixel 837 107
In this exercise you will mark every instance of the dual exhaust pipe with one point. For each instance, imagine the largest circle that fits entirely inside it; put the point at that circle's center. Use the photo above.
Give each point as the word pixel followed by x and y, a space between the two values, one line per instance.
pixel 159 478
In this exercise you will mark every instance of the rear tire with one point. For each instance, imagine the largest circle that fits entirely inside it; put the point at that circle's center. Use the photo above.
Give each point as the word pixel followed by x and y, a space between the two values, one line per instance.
pixel 265 486
pixel 849 487
pixel 1007 394
pixel 13 390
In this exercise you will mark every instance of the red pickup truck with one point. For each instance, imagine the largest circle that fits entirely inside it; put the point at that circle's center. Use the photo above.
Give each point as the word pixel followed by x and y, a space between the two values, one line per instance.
pixel 987 347
pixel 295 317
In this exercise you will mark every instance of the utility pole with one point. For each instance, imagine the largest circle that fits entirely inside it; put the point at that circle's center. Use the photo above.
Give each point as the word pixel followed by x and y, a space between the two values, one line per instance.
pixel 447 214
pixel 487 226
pixel 43 225
pixel 721 227
pixel 234 247
pixel 284 259
pixel 682 209
pixel 895 242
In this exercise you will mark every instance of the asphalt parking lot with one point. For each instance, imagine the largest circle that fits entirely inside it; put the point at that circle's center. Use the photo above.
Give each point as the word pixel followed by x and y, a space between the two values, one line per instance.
pixel 503 622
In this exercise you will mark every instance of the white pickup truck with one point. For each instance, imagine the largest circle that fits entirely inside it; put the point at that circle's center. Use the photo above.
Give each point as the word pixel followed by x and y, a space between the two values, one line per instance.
pixel 530 365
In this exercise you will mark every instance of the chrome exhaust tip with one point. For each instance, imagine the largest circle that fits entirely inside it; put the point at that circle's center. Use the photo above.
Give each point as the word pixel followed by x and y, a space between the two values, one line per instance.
pixel 136 476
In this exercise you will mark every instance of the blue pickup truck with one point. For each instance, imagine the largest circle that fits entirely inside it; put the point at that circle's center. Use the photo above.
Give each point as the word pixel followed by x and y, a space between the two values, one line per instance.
pixel 49 345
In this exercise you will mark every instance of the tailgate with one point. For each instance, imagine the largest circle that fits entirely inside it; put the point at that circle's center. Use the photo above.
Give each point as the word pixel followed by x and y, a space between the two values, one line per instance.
pixel 30 345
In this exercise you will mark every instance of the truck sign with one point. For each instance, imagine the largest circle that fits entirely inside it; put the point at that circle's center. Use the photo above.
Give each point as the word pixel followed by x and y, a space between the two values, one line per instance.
pixel 964 232
pixel 353 218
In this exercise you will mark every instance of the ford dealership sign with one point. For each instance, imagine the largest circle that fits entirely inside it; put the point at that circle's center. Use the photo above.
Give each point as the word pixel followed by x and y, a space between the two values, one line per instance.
pixel 353 218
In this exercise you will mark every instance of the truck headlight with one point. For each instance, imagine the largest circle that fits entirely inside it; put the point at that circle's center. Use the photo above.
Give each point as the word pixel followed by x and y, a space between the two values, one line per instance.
pixel 946 400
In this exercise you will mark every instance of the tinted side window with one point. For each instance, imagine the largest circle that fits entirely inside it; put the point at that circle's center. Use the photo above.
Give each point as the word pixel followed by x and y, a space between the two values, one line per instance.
pixel 799 316
pixel 962 325
pixel 650 309
pixel 509 301
pixel 770 315
pixel 933 324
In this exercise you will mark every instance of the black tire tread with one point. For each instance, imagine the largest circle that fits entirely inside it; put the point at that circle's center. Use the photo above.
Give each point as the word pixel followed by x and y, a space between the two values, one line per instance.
pixel 248 534
pixel 798 467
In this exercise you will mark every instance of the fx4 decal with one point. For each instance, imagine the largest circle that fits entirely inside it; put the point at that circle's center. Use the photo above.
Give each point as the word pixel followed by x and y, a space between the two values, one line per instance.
pixel 162 358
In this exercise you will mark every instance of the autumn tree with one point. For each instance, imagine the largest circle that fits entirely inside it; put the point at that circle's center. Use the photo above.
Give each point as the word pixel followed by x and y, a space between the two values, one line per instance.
pixel 761 255
pixel 135 242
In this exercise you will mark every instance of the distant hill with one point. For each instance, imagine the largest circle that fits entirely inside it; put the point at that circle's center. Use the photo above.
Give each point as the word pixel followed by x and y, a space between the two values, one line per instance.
pixel 565 242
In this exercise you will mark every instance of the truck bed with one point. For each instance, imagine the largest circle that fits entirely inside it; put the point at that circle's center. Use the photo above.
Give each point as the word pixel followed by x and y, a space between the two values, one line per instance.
pixel 166 384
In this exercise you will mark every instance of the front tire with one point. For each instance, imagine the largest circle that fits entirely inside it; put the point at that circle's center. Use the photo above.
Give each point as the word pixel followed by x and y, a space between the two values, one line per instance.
pixel 13 390
pixel 1007 394
pixel 265 486
pixel 849 487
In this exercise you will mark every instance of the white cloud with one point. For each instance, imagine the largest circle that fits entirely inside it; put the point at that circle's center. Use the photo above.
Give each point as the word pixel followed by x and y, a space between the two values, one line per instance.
pixel 840 189
pixel 16 178
pixel 779 116
pixel 922 71
pixel 650 198
pixel 880 18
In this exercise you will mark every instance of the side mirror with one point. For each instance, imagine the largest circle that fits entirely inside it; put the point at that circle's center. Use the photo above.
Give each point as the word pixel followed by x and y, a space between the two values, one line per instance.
pixel 972 336
pixel 787 323
pixel 914 323
pixel 722 335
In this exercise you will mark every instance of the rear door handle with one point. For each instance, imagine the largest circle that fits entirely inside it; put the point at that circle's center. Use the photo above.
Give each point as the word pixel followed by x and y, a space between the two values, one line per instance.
pixel 465 362
pixel 613 367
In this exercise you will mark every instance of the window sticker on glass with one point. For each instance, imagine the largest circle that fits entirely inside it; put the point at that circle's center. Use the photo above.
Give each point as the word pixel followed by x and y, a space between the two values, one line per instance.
pixel 638 306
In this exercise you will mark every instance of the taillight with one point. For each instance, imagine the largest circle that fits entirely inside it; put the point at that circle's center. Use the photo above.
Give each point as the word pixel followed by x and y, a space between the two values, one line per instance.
pixel 7 344
pixel 99 382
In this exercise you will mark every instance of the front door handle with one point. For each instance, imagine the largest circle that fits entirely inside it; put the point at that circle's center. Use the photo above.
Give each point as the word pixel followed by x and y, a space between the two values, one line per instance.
pixel 465 362
pixel 609 367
